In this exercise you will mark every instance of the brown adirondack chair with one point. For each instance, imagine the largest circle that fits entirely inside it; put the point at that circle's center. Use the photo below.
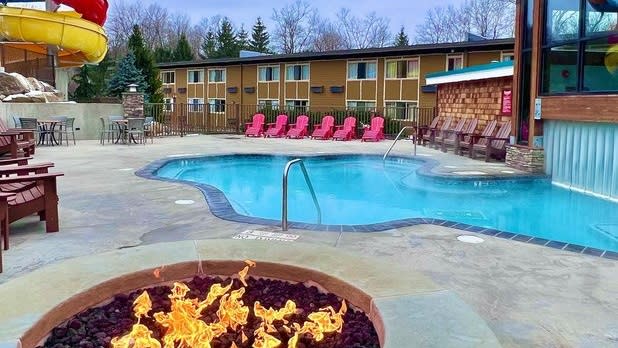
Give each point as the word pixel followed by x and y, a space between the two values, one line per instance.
pixel 494 145
pixel 422 130
pixel 454 137
pixel 468 140
pixel 4 220
pixel 431 135
pixel 444 134
pixel 13 140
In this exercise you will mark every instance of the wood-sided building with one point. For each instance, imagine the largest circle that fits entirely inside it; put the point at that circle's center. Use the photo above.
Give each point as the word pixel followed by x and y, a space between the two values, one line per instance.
pixel 366 79
pixel 566 90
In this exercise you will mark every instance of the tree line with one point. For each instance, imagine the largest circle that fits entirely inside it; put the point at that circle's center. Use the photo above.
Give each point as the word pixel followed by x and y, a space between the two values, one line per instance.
pixel 141 37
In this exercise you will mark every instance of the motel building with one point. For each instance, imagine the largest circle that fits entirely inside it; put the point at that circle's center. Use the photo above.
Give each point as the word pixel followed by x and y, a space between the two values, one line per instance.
pixel 557 83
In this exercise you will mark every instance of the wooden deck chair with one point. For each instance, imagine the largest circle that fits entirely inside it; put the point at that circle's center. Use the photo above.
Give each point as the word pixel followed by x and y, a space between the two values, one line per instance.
pixel 494 146
pixel 468 140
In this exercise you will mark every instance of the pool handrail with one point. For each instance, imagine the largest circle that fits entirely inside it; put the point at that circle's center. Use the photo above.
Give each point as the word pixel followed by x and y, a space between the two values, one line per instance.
pixel 397 138
pixel 284 208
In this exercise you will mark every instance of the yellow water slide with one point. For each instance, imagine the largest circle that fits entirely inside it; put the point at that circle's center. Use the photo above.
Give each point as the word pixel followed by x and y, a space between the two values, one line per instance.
pixel 78 41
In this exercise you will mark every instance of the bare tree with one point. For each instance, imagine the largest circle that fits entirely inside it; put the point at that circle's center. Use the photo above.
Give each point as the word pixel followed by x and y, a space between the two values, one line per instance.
pixel 363 32
pixel 295 26
pixel 327 38
pixel 491 19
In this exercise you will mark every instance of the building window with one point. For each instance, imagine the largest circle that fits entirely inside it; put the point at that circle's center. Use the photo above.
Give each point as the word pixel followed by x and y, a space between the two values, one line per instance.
pixel 402 69
pixel 362 71
pixel 361 105
pixel 268 73
pixel 297 72
pixel 401 110
pixel 454 63
pixel 507 57
pixel 216 75
pixel 578 47
pixel 168 104
pixel 195 76
pixel 296 105
pixel 216 105
pixel 196 104
pixel 268 104
pixel 168 77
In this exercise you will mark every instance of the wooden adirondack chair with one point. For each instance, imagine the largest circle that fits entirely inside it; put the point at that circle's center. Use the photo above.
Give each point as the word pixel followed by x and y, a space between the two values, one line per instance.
pixel 430 135
pixel 324 130
pixel 14 140
pixel 454 137
pixel 422 130
pixel 468 140
pixel 494 145
pixel 277 129
pixel 255 128
pixel 376 131
pixel 444 134
pixel 347 130
pixel 298 130
pixel 4 221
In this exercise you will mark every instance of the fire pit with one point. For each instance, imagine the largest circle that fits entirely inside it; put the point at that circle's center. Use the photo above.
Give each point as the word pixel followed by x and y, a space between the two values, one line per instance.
pixel 404 307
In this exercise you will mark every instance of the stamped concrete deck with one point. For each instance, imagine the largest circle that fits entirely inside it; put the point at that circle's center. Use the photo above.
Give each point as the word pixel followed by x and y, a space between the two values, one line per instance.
pixel 529 295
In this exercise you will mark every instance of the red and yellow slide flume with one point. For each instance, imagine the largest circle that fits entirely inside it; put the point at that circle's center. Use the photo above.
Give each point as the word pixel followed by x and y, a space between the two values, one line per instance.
pixel 78 35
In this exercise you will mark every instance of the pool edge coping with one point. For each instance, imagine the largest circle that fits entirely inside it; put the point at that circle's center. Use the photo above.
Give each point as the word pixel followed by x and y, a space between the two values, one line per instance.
pixel 220 207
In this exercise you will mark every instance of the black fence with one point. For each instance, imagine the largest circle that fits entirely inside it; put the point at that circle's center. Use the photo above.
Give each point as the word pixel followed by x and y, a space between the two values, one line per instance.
pixel 180 118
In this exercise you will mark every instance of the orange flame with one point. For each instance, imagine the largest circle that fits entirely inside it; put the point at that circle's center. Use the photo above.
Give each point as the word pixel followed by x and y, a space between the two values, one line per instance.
pixel 184 327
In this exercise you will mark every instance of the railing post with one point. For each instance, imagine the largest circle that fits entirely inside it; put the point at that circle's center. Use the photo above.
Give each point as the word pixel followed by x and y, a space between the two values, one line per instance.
pixel 238 118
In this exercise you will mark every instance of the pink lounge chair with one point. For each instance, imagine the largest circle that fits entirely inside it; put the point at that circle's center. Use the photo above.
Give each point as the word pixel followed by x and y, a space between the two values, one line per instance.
pixel 346 131
pixel 277 129
pixel 324 131
pixel 376 131
pixel 255 128
pixel 298 130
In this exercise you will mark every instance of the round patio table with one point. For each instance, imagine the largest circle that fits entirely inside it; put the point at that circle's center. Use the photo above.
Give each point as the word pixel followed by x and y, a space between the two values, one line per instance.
pixel 47 130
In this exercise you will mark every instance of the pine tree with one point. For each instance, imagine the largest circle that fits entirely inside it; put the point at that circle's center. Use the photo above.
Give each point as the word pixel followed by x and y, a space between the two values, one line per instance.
pixel 92 81
pixel 260 39
pixel 126 73
pixel 209 46
pixel 183 51
pixel 144 61
pixel 242 39
pixel 163 55
pixel 226 40
pixel 401 39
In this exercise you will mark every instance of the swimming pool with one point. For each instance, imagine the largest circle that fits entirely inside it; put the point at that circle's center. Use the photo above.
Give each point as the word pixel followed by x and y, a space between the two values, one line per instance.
pixel 361 190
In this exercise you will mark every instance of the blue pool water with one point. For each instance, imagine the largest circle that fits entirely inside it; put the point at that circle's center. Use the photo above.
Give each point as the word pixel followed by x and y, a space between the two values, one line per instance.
pixel 355 190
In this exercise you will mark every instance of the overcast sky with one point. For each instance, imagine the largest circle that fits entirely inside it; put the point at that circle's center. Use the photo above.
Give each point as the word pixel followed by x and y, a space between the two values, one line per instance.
pixel 400 12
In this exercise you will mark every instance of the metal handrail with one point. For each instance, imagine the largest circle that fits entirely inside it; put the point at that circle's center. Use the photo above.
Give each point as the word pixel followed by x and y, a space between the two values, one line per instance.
pixel 397 138
pixel 284 208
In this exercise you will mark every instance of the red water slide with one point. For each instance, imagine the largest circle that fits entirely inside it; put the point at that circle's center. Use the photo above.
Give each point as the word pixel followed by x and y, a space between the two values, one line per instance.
pixel 91 10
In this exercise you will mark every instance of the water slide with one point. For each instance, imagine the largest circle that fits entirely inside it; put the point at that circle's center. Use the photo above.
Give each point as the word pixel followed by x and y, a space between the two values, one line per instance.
pixel 78 35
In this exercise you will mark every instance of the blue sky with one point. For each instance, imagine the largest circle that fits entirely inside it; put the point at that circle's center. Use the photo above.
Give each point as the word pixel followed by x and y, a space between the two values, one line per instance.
pixel 400 12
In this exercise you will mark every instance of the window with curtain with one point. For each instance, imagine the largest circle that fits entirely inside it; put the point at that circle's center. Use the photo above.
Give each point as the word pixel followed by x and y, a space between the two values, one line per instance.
pixel 362 71
pixel 196 104
pixel 168 77
pixel 361 105
pixel 402 69
pixel 268 73
pixel 216 75
pixel 216 105
pixel 297 72
pixel 580 48
pixel 400 110
pixel 196 76
pixel 454 63
pixel 268 103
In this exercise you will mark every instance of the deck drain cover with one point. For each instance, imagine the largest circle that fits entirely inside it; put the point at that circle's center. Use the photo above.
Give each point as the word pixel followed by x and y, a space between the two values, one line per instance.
pixel 470 239
pixel 184 202
pixel 125 169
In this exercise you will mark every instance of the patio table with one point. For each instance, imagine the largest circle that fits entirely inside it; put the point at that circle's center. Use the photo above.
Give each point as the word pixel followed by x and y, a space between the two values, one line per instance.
pixel 47 129
pixel 122 128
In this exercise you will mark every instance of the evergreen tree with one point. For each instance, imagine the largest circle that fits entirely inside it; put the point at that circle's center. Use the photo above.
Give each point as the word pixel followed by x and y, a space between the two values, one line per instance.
pixel 227 47
pixel 92 81
pixel 260 39
pixel 401 39
pixel 126 73
pixel 144 61
pixel 209 47
pixel 183 51
pixel 242 39
pixel 163 55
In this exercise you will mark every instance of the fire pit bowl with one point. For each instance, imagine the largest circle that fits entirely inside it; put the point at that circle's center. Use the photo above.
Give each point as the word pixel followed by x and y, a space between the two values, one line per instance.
pixel 406 308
